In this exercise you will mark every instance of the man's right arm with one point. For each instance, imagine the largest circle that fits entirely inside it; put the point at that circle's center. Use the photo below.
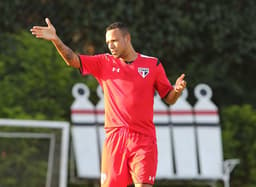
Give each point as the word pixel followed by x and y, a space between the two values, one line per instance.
pixel 49 33
pixel 67 54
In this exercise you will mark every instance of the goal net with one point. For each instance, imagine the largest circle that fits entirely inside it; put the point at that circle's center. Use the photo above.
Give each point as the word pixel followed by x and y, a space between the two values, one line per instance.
pixel 33 153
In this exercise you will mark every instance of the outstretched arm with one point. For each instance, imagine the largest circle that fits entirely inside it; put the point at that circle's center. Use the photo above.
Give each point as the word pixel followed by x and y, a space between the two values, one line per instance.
pixel 180 85
pixel 49 33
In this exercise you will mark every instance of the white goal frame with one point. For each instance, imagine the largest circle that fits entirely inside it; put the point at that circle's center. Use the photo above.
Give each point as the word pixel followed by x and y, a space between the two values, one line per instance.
pixel 63 126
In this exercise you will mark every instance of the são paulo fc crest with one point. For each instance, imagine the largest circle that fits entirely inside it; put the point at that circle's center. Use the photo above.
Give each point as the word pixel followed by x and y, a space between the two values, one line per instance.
pixel 143 72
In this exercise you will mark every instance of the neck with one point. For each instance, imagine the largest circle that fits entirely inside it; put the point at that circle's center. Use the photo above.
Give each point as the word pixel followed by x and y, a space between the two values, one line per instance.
pixel 130 56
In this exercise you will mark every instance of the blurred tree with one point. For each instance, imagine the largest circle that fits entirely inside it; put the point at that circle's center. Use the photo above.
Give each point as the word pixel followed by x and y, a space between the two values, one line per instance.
pixel 211 41
pixel 239 129
pixel 35 82
pixel 14 159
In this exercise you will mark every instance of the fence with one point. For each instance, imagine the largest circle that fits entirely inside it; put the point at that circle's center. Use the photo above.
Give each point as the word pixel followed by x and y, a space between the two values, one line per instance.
pixel 189 137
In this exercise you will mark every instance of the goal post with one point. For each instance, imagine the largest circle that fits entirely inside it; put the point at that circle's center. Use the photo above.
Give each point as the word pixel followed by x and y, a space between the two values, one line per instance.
pixel 53 134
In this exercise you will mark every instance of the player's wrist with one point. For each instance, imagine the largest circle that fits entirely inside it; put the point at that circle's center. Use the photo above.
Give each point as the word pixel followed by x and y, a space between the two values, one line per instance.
pixel 55 39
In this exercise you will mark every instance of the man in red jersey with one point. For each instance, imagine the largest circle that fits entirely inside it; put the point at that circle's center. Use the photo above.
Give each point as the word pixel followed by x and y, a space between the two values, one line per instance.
pixel 129 80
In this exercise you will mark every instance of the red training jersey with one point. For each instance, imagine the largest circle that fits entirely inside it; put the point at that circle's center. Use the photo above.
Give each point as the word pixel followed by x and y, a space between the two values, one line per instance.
pixel 128 89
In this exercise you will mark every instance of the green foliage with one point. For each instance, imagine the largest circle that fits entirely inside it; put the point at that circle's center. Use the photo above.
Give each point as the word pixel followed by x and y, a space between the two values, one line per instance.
pixel 24 161
pixel 33 76
pixel 239 129
pixel 35 82
pixel 211 41
pixel 24 154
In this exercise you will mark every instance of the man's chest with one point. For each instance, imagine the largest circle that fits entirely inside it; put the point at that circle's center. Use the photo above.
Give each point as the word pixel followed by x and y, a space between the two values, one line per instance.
pixel 129 72
pixel 127 79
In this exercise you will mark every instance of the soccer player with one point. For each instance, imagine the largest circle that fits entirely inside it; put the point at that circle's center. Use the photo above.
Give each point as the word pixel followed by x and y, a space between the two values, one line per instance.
pixel 129 80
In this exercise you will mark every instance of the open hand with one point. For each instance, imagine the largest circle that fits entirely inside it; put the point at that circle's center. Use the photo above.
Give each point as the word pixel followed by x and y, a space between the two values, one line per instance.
pixel 46 32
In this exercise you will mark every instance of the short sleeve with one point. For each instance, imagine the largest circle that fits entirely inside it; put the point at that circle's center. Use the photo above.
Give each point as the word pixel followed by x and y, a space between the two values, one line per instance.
pixel 91 64
pixel 162 84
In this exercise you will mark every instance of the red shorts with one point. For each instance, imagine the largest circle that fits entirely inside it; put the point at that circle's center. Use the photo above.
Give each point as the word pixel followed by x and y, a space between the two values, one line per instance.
pixel 128 157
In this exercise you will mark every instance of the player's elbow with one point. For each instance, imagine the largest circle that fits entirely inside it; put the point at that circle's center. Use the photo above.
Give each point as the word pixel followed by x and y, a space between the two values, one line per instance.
pixel 170 101
pixel 75 63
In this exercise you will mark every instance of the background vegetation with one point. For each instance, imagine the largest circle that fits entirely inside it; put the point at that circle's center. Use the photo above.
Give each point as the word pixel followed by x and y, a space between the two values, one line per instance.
pixel 213 42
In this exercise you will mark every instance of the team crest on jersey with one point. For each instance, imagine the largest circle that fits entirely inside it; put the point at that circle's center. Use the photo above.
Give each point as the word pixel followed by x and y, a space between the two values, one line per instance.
pixel 143 72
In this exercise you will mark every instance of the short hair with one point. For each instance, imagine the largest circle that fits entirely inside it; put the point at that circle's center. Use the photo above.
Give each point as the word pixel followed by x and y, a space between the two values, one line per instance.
pixel 118 25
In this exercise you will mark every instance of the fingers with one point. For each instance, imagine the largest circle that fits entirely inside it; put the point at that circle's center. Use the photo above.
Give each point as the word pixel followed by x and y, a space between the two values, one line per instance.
pixel 180 83
pixel 183 84
pixel 39 32
pixel 181 77
pixel 37 28
pixel 36 33
pixel 46 32
pixel 48 22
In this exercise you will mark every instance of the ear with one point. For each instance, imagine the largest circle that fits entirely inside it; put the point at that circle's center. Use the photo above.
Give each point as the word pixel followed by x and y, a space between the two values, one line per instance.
pixel 128 38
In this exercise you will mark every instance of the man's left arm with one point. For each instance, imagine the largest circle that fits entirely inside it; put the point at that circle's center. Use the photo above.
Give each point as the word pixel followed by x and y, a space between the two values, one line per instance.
pixel 175 93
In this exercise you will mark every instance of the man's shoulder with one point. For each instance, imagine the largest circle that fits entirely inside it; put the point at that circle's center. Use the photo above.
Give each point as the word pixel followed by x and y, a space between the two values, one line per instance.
pixel 108 56
pixel 105 57
pixel 149 59
pixel 147 56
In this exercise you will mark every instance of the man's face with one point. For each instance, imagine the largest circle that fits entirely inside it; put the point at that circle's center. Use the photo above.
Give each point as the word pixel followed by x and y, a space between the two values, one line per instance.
pixel 116 42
